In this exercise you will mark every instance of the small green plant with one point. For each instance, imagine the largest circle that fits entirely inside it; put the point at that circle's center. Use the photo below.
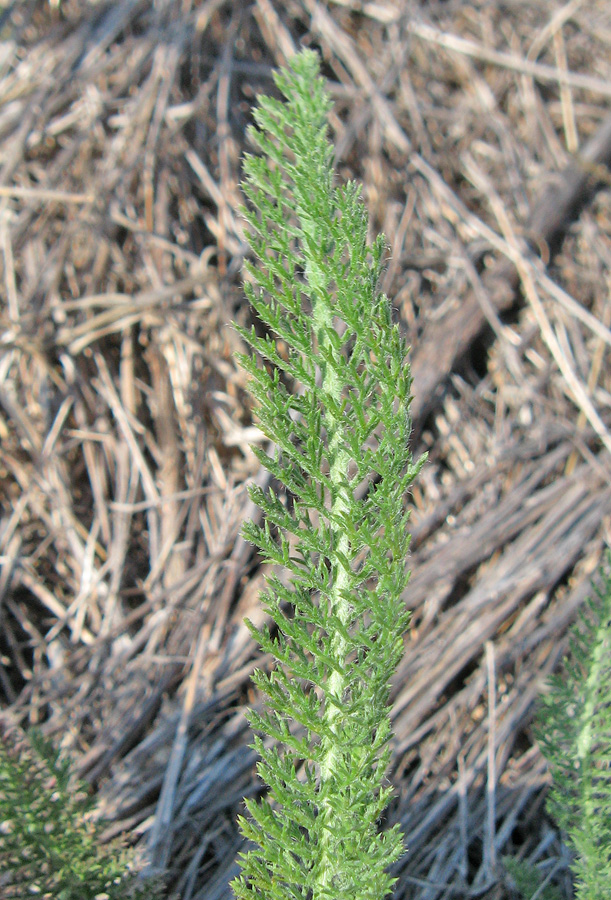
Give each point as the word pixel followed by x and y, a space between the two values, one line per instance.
pixel 49 844
pixel 333 394
pixel 575 735
pixel 528 881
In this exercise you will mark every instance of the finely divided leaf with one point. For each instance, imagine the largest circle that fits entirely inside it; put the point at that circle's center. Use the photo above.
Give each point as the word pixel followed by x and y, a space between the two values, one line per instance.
pixel 335 402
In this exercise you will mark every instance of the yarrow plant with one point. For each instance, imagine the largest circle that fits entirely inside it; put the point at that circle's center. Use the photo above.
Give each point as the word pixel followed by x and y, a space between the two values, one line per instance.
pixel 333 394
pixel 50 846
pixel 575 735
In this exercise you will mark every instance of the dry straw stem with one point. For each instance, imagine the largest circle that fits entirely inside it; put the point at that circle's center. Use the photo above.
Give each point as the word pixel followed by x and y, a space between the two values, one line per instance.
pixel 124 427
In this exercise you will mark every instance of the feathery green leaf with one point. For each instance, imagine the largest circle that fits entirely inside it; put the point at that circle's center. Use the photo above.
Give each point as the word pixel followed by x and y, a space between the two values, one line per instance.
pixel 335 402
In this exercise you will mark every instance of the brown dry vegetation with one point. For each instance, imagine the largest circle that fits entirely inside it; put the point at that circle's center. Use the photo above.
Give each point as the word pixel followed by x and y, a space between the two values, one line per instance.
pixel 481 133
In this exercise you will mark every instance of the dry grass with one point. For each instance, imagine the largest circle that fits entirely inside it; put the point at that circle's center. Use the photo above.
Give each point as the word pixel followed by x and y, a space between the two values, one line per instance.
pixel 480 132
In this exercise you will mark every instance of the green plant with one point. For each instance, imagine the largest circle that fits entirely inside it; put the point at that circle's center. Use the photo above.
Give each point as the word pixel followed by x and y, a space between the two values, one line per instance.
pixel 341 431
pixel 528 881
pixel 575 735
pixel 49 844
